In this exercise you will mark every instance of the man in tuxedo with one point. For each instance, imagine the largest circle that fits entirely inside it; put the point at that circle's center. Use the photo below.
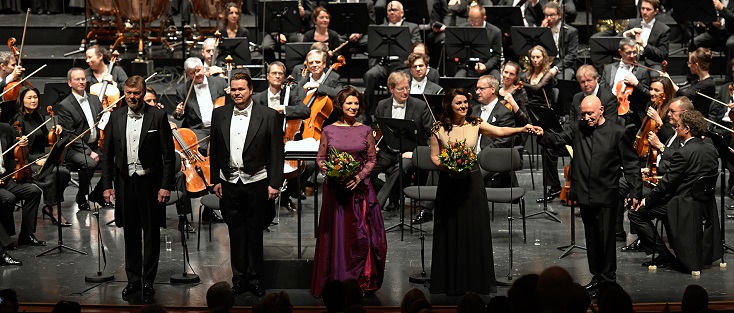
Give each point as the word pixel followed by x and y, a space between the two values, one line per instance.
pixel 247 172
pixel 9 71
pixel 316 80
pixel 623 74
pixel 76 114
pixel 602 153
pixel 566 39
pixel 381 68
pixel 400 106
pixel 275 98
pixel 139 157
pixel 719 33
pixel 419 82
pixel 652 36
pixel 673 202
pixel 478 18
pixel 531 10
pixel 197 112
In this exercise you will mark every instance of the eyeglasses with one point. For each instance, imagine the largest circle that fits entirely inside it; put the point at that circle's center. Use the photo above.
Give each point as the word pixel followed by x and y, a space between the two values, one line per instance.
pixel 551 15
pixel 402 89
pixel 482 88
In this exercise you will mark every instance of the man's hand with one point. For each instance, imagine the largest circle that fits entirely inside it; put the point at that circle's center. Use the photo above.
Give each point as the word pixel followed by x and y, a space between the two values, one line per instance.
pixel 217 190
pixel 282 38
pixel 718 5
pixel 23 141
pixel 272 193
pixel 94 156
pixel 163 196
pixel 408 155
pixel 637 204
pixel 654 140
pixel 57 129
pixel 310 85
pixel 179 109
pixel 631 80
pixel 109 195
pixel 535 130
pixel 280 108
pixel 354 37
pixel 15 74
pixel 41 162
pixel 439 29
pixel 480 67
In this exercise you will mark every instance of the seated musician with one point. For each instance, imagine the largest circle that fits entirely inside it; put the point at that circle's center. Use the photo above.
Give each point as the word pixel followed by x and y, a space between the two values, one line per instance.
pixel 197 112
pixel 9 72
pixel 231 27
pixel 207 53
pixel 316 80
pixel 419 83
pixel 289 108
pixel 321 32
pixel 381 68
pixel 151 98
pixel 300 70
pixel 699 62
pixel 30 118
pixel 672 201
pixel 478 18
pixel 651 35
pixel 719 33
pixel 431 72
pixel 564 63
pixel 626 74
pixel 531 10
pixel 269 45
pixel 722 114
pixel 77 114
pixel 98 59
pixel 400 106
pixel 509 88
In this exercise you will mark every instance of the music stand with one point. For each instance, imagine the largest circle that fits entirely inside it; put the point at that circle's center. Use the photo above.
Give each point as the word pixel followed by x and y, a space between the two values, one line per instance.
pixel 348 18
pixel 726 158
pixel 525 38
pixel 295 53
pixel 387 41
pixel 415 11
pixel 258 85
pixel 53 93
pixel 614 10
pixel 402 135
pixel 546 119
pixel 435 103
pixel 470 41
pixel 238 48
pixel 691 11
pixel 604 49
pixel 504 17
pixel 280 17
pixel 468 83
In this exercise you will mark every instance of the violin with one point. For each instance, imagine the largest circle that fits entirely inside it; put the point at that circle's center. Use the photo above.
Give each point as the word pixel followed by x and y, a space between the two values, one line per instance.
pixel 519 85
pixel 108 95
pixel 11 91
pixel 642 144
pixel 321 106
pixel 52 137
pixel 20 154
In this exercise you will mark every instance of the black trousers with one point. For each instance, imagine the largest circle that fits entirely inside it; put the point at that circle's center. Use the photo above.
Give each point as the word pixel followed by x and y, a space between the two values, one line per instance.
pixel 550 168
pixel 624 189
pixel 641 221
pixel 601 250
pixel 141 224
pixel 78 159
pixel 49 184
pixel 9 195
pixel 243 209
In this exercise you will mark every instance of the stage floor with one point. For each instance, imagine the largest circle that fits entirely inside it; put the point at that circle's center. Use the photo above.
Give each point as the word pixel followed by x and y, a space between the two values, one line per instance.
pixel 58 276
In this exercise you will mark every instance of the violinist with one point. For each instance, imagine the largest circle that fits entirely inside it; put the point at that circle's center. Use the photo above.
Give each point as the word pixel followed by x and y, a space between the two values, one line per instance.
pixel 321 32
pixel 197 112
pixel 625 75
pixel 98 59
pixel 540 79
pixel 9 72
pixel 316 80
pixel 419 83
pixel 30 118
pixel 699 62
pixel 651 35
pixel 77 114
pixel 510 87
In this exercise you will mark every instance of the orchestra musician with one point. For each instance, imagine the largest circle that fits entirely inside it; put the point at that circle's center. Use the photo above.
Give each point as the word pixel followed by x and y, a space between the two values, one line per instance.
pixel 321 32
pixel 672 201
pixel 316 80
pixel 247 172
pixel 269 41
pixel 207 53
pixel 588 78
pixel 98 60
pixel 625 74
pixel 651 35
pixel 540 79
pixel 77 113
pixel 602 152
pixel 564 63
pixel 9 71
pixel 139 157
pixel 699 62
pixel 512 91
pixel 418 69
pixel 431 72
pixel 29 118
pixel 478 18
pixel 231 27
pixel 719 33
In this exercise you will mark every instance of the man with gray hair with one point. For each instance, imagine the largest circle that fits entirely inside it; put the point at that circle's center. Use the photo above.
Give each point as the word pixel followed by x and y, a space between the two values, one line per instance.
pixel 624 74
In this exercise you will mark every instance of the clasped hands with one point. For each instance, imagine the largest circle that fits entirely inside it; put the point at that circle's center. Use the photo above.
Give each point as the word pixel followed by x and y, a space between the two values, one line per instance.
pixel 535 130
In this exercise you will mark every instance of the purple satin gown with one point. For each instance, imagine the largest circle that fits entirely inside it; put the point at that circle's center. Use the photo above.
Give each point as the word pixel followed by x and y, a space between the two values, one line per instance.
pixel 351 241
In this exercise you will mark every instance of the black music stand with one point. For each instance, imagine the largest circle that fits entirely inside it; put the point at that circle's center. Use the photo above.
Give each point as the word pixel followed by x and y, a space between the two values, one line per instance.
pixel 504 17
pixel 614 10
pixel 349 18
pixel 7 111
pixel 726 158
pixel 238 48
pixel 415 11
pixel 388 41
pixel 402 135
pixel 525 38
pixel 54 161
pixel 468 43
pixel 690 11
pixel 546 119
pixel 279 17
pixel 185 277
pixel 468 83
pixel 295 53
pixel 53 93
pixel 604 50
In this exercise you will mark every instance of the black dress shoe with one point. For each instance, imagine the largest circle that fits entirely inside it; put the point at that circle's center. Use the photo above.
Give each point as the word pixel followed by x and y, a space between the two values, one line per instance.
pixel 213 217
pixel 288 205
pixel 302 196
pixel 29 240
pixel 11 246
pixel 593 285
pixel 662 261
pixel 257 290
pixel 238 289
pixel 131 288
pixel 83 206
pixel 6 260
pixel 188 228
pixel 148 290
pixel 552 194
pixel 424 216
pixel 635 246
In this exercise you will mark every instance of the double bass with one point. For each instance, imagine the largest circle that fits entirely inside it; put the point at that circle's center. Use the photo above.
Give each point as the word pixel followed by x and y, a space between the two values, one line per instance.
pixel 321 106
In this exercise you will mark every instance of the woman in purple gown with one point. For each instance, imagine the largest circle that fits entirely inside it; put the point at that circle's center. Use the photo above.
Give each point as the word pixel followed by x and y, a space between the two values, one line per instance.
pixel 351 241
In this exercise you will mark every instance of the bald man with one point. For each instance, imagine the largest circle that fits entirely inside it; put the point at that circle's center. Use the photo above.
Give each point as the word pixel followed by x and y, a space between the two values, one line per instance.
pixel 602 153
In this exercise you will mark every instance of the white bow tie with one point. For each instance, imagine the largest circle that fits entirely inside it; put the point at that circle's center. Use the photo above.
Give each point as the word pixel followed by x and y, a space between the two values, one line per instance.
pixel 398 105
pixel 240 112
pixel 485 108
pixel 200 86
pixel 275 98
pixel 644 24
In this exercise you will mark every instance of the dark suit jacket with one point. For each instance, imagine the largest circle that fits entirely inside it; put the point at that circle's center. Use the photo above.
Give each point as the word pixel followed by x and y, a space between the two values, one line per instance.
pixel 432 75
pixel 657 44
pixel 155 152
pixel 641 94
pixel 717 111
pixel 263 144
pixel 608 100
pixel 495 42
pixel 415 110
pixel 7 139
pixel 70 116
pixel 534 15
pixel 295 109
pixel 431 87
pixel 501 117
pixel 192 113
pixel 569 49
pixel 330 87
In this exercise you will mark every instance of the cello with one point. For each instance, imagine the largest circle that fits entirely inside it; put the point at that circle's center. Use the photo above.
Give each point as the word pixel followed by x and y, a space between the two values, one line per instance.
pixel 320 105
pixel 194 165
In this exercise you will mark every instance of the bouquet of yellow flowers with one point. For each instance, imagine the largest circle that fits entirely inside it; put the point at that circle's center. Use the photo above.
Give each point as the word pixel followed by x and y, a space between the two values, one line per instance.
pixel 457 156
pixel 339 165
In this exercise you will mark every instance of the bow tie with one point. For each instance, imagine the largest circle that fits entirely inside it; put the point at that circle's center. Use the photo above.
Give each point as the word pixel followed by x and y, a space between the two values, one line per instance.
pixel 398 105
pixel 82 99
pixel 240 112
pixel 275 98
pixel 417 86
pixel 202 85
pixel 135 115
pixel 644 24
pixel 625 66
pixel 485 108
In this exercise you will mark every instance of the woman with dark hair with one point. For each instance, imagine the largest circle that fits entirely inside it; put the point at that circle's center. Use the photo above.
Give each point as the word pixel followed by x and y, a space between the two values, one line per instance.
pixel 351 241
pixel 661 90
pixel 321 32
pixel 29 119
pixel 462 240
pixel 540 78
pixel 511 91
pixel 231 27
pixel 699 62
pixel 98 60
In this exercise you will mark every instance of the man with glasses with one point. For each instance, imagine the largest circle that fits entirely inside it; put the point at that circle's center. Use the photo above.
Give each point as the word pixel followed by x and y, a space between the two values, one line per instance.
pixel 566 39
pixel 477 18
pixel 620 75
pixel 400 106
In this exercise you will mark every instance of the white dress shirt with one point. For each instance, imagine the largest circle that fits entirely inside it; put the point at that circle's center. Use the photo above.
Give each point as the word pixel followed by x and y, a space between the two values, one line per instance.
pixel 319 81
pixel 398 109
pixel 238 133
pixel 273 99
pixel 646 29
pixel 132 134
pixel 87 109
pixel 417 87
pixel 622 71
pixel 486 115
pixel 206 106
